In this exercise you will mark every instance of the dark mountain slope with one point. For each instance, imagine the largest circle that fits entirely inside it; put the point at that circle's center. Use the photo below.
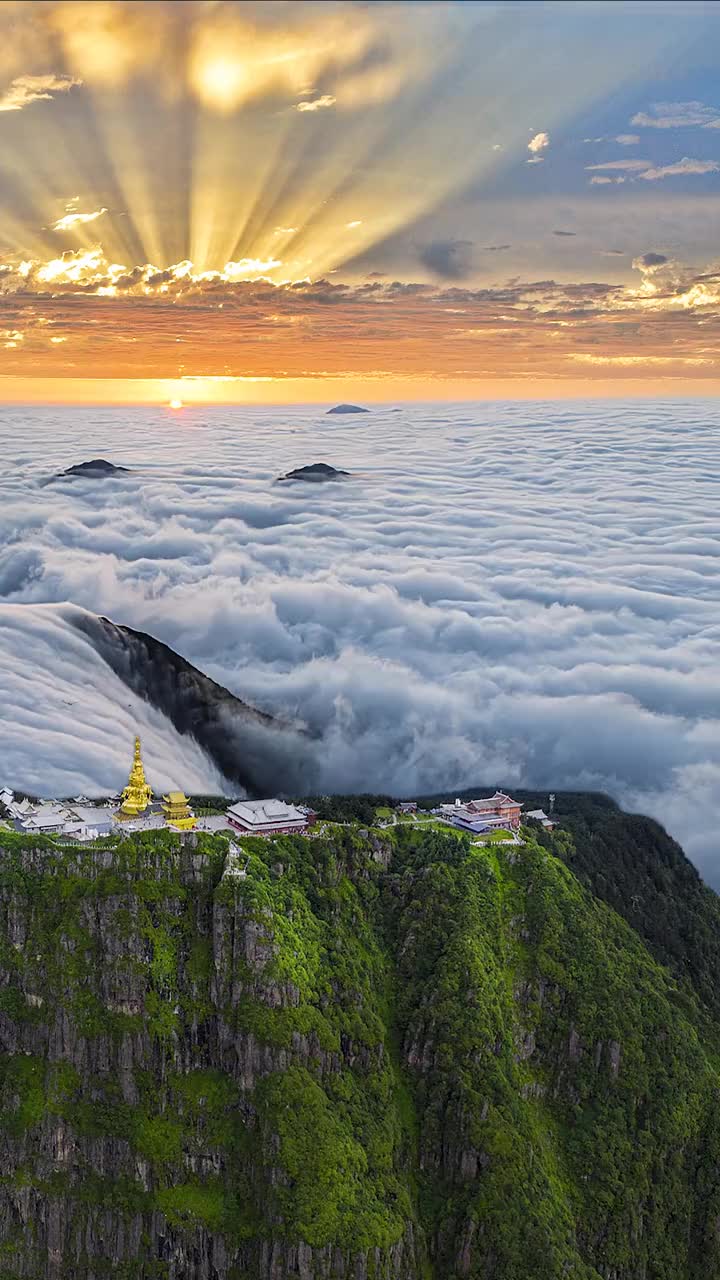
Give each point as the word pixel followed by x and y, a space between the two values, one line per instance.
pixel 638 869
pixel 263 755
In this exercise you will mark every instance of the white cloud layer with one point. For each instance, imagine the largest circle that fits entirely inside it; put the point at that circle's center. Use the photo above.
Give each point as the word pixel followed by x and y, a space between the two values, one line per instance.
pixel 653 173
pixel 685 166
pixel 64 706
pixel 630 165
pixel 678 115
pixel 507 594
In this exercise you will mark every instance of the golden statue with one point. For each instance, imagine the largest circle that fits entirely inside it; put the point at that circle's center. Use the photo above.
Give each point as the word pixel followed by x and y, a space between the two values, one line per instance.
pixel 137 794
pixel 178 813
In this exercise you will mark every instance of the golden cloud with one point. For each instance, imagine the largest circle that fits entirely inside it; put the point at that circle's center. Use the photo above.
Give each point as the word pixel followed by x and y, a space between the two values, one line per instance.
pixel 317 104
pixel 224 55
pixel 234 61
pixel 74 219
pixel 108 42
pixel 82 311
pixel 25 90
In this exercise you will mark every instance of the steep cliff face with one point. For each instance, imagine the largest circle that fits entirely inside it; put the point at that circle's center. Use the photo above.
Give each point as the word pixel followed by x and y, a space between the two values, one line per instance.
pixel 369 1056
pixel 195 1070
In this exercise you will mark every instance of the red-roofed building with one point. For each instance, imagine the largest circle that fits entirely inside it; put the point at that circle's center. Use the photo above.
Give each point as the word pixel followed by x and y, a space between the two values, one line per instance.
pixel 498 806
pixel 498 811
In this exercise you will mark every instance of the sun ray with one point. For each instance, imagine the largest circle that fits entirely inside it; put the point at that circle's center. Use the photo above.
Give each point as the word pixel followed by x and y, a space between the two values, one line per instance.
pixel 169 154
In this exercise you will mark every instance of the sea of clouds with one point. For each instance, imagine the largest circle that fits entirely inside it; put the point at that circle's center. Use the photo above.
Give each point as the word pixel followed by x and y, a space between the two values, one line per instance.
pixel 507 594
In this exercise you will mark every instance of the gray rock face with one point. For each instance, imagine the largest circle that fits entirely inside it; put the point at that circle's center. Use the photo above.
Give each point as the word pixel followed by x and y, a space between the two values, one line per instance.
pixel 348 408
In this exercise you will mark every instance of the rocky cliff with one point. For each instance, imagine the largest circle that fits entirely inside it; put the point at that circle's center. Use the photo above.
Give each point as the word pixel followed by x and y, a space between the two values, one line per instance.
pixel 363 1056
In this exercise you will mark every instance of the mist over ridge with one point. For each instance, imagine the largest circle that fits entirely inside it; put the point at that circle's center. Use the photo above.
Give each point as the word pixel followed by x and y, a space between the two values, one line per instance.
pixel 524 593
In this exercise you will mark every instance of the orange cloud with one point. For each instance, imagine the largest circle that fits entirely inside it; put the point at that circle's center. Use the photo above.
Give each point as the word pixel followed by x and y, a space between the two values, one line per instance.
pixel 225 332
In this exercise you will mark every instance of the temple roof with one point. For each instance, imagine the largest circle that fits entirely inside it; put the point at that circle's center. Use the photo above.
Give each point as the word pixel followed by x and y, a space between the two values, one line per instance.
pixel 257 812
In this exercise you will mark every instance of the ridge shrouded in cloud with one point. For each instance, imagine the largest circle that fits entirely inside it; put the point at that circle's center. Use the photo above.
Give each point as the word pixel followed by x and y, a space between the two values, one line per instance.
pixel 213 202
pixel 531 602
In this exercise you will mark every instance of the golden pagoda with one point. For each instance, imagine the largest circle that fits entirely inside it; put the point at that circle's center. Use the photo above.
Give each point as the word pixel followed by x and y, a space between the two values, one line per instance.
pixel 137 794
pixel 178 813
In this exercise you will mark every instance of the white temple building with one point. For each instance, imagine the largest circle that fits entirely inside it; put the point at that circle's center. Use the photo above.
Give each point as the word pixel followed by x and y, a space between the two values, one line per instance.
pixel 268 817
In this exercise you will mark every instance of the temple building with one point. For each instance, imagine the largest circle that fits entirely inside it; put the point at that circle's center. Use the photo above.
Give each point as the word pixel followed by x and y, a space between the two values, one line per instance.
pixel 493 812
pixel 177 811
pixel 501 807
pixel 268 817
pixel 540 816
pixel 137 795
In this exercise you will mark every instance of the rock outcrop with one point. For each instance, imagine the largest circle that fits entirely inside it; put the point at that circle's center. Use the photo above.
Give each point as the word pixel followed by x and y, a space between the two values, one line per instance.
pixel 315 472
pixel 95 469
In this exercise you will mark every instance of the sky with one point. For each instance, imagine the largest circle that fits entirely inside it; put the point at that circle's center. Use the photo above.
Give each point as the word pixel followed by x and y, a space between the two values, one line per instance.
pixel 217 202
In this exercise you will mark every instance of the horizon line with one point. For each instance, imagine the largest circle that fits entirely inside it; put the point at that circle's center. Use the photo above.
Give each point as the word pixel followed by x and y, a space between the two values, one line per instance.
pixel 188 406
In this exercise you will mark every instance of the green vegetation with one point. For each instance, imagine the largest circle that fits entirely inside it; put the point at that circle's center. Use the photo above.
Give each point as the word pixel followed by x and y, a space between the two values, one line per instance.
pixel 403 1049
pixel 632 864
pixel 567 1070
pixel 361 809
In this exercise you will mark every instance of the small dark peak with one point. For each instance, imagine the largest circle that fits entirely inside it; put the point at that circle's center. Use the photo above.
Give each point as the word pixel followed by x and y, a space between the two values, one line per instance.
pixel 348 408
pixel 316 472
pixel 96 468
